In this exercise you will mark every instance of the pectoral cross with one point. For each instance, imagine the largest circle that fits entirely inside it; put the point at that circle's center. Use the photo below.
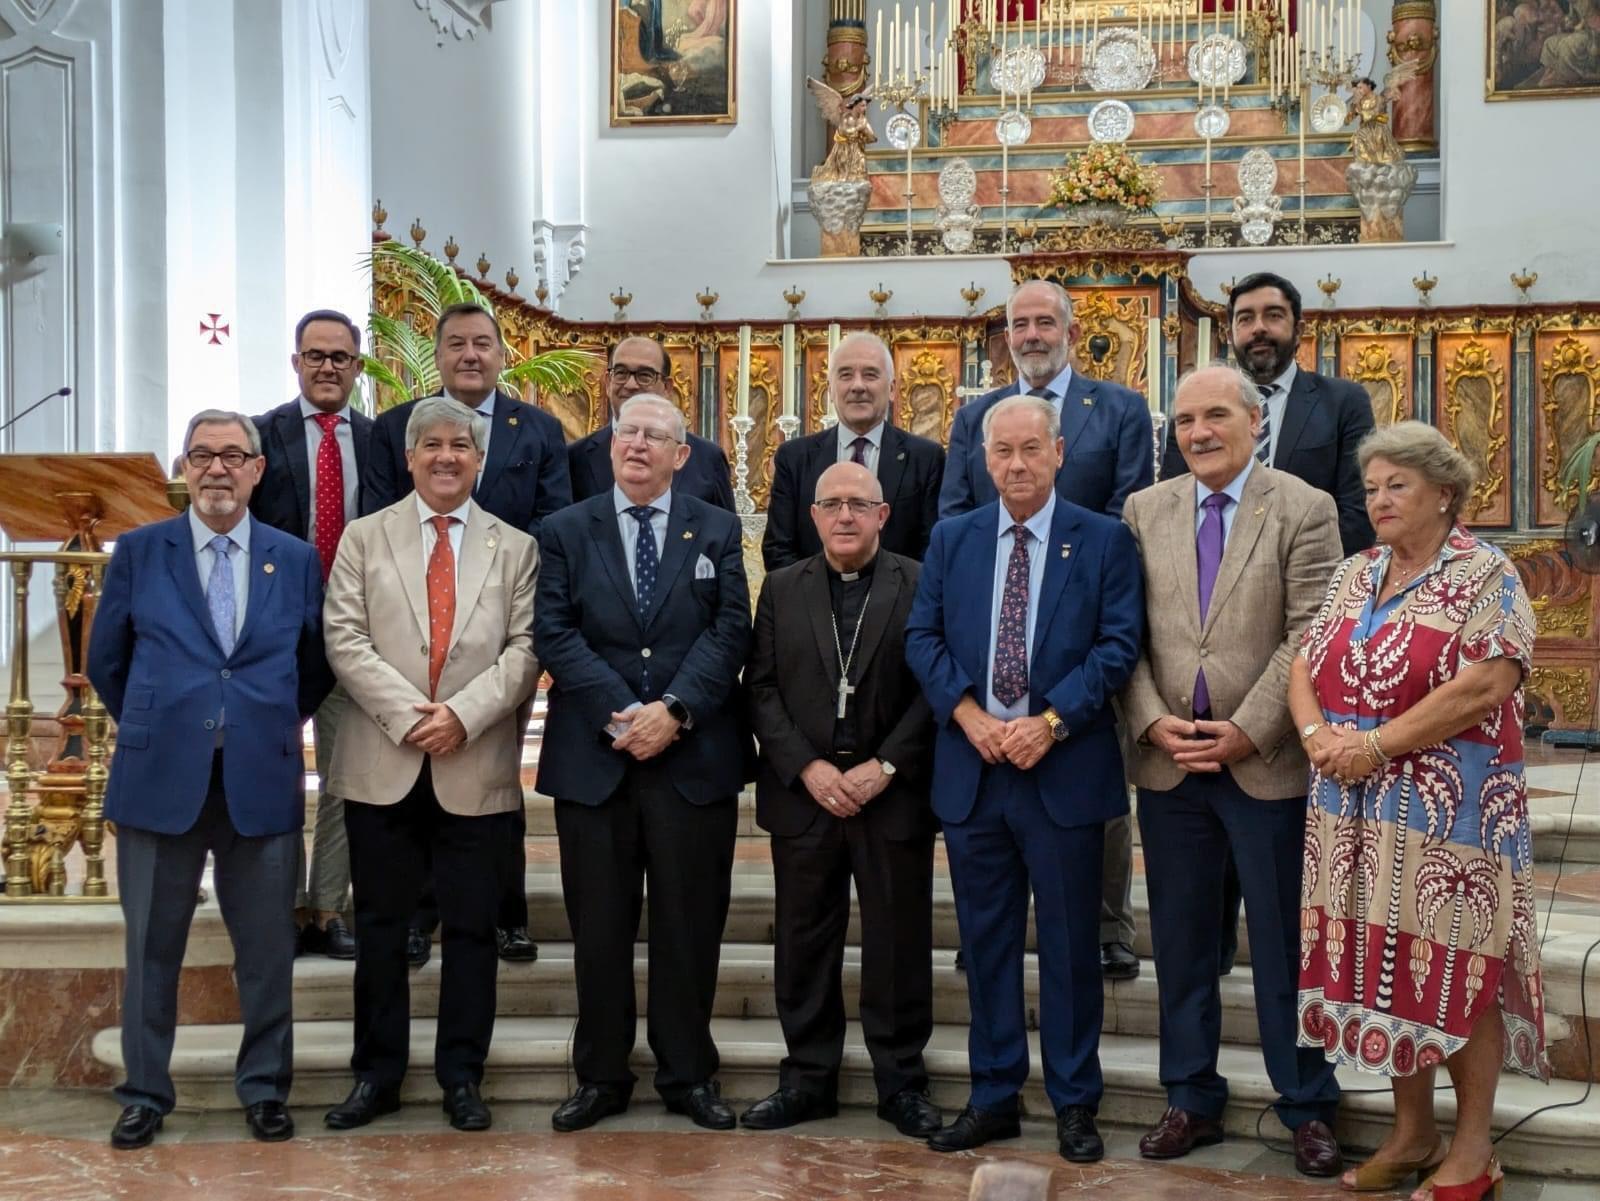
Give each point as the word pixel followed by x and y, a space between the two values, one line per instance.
pixel 846 691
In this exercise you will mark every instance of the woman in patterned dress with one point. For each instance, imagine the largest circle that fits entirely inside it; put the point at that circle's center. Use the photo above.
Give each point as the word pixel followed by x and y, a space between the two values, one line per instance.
pixel 1417 938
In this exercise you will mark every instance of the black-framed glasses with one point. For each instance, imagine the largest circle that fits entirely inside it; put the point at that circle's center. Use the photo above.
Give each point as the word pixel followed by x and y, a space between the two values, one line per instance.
pixel 340 359
pixel 856 504
pixel 656 438
pixel 201 459
pixel 645 377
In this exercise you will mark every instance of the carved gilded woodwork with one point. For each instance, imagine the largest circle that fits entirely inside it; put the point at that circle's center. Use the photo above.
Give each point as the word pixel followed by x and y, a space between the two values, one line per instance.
pixel 1567 411
pixel 1305 354
pixel 1115 334
pixel 1382 364
pixel 815 373
pixel 927 386
pixel 1562 596
pixel 682 383
pixel 1562 694
pixel 1475 416
pixel 766 401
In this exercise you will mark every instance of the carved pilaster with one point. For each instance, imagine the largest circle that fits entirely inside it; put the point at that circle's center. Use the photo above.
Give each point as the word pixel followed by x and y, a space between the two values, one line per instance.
pixel 1414 38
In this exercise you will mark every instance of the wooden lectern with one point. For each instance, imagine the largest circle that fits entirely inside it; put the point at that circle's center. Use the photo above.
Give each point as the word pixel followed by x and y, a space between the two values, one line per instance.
pixel 79 500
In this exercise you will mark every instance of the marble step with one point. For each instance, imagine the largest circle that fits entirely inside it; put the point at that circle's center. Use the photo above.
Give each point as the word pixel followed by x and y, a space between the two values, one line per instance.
pixel 530 1061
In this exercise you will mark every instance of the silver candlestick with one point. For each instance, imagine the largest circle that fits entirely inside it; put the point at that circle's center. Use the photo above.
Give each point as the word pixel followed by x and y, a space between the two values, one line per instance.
pixel 788 426
pixel 743 503
pixel 1158 426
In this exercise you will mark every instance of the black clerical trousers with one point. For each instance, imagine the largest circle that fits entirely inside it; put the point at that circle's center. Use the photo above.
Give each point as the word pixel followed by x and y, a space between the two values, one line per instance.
pixel 389 855
pixel 812 872
pixel 646 831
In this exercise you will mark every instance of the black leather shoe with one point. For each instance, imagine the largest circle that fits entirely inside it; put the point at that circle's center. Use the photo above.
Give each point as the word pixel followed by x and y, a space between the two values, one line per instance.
pixel 365 1102
pixel 269 1121
pixel 1118 962
pixel 337 941
pixel 704 1106
pixel 135 1128
pixel 514 945
pixel 974 1127
pixel 419 947
pixel 787 1107
pixel 961 960
pixel 912 1113
pixel 465 1106
pixel 587 1106
pixel 1077 1137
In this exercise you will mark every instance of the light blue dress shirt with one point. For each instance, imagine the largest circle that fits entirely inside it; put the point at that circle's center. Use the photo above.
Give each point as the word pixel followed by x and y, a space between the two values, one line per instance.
pixel 1039 527
pixel 629 528
pixel 1234 492
pixel 239 558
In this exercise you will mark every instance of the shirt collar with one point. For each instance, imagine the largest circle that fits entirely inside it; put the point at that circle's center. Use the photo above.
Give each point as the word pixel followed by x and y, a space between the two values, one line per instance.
pixel 1459 543
pixel 1038 525
pixel 307 409
pixel 619 498
pixel 485 406
pixel 203 534
pixel 425 511
pixel 1286 381
pixel 1234 489
pixel 1058 386
pixel 848 435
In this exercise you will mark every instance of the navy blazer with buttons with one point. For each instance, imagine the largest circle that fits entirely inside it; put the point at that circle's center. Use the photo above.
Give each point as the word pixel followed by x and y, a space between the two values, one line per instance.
pixel 523 481
pixel 283 497
pixel 704 474
pixel 155 660
pixel 1110 449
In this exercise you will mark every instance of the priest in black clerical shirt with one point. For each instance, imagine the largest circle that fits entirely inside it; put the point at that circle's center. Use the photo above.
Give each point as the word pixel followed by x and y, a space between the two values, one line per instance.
pixel 846 742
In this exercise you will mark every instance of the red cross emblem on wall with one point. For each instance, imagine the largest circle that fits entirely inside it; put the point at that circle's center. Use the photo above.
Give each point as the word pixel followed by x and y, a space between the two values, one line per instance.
pixel 217 330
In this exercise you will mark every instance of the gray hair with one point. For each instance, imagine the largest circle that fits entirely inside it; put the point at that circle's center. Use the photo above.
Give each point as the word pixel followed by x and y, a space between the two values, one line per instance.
pixel 1062 296
pixel 1249 393
pixel 252 436
pixel 1036 404
pixel 654 398
pixel 1423 449
pixel 441 410
pixel 862 335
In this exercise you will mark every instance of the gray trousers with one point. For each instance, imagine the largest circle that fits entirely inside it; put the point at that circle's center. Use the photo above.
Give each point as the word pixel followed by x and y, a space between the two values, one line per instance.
pixel 1116 882
pixel 159 879
pixel 328 888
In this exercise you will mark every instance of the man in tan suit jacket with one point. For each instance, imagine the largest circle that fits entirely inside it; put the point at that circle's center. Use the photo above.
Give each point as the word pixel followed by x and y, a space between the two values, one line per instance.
pixel 1237 557
pixel 429 616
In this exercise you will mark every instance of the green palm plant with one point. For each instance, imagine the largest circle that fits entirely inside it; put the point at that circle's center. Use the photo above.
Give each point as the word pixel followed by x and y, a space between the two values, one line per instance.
pixel 401 361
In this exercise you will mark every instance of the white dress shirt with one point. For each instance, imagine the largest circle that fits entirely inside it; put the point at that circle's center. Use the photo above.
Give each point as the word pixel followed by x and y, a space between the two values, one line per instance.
pixel 1277 408
pixel 238 558
pixel 871 452
pixel 629 528
pixel 1234 491
pixel 347 455
pixel 458 531
pixel 1039 527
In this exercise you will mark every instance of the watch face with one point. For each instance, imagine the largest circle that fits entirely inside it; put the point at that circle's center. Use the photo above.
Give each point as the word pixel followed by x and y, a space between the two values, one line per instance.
pixel 1309 730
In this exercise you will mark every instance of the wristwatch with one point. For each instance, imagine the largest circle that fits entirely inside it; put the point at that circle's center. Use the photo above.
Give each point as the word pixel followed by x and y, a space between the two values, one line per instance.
pixel 1307 732
pixel 679 711
pixel 886 767
pixel 1058 728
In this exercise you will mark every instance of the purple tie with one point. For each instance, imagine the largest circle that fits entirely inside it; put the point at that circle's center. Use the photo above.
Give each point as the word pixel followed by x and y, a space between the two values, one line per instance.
pixel 1010 683
pixel 1208 553
pixel 858 451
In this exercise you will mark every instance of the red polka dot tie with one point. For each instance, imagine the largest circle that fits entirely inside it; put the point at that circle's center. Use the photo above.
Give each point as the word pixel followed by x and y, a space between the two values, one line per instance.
pixel 441 601
pixel 328 524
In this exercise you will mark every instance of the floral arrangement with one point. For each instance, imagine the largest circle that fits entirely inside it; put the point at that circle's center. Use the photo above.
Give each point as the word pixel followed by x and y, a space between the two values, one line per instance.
pixel 1104 173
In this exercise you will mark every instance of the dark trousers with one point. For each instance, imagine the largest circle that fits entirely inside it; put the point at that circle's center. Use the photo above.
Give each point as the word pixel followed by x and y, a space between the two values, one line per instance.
pixel 1188 835
pixel 158 876
pixel 894 887
pixel 646 831
pixel 389 847
pixel 1007 845
pixel 511 910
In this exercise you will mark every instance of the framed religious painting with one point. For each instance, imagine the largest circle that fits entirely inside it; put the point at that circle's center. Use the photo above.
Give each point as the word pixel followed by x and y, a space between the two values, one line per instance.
pixel 1543 48
pixel 673 62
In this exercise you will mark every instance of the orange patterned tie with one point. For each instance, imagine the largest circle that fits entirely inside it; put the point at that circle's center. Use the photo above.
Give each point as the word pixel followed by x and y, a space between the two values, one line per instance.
pixel 441 601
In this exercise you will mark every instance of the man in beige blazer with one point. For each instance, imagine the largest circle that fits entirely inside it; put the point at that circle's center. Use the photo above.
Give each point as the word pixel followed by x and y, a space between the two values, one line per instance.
pixel 1236 559
pixel 429 615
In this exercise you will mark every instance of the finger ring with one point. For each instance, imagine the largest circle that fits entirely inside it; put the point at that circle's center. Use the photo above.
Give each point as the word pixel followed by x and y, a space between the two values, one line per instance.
pixel 831 801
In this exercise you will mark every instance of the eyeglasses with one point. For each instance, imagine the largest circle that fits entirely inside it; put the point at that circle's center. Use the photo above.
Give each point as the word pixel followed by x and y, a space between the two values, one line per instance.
pixel 645 377
pixel 201 459
pixel 316 358
pixel 858 506
pixel 656 438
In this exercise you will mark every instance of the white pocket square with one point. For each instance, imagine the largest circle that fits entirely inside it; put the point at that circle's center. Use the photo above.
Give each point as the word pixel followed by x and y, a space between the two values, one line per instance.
pixel 704 569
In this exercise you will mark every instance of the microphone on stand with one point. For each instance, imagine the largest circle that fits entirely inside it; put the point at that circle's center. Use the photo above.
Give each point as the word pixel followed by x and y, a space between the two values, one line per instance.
pixel 33 406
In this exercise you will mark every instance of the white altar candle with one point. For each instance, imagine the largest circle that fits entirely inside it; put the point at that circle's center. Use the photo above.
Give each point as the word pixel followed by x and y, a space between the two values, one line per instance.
pixel 1203 350
pixel 788 369
pixel 742 399
pixel 833 342
pixel 877 56
pixel 1153 364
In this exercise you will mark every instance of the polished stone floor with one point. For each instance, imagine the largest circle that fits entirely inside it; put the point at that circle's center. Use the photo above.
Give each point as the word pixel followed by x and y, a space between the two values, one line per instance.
pixel 53 1148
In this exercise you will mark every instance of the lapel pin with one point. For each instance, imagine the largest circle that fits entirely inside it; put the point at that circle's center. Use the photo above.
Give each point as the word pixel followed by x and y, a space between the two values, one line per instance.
pixel 268 568
pixel 1260 510
pixel 1087 403
pixel 1066 549
pixel 489 542
pixel 901 455
pixel 511 421
pixel 688 534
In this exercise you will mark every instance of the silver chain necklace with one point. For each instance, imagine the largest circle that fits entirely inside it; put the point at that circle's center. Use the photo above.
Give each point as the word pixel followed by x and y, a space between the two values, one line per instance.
pixel 846 689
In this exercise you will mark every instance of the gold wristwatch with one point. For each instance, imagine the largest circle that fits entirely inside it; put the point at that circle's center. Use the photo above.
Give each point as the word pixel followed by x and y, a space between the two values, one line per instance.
pixel 1058 728
pixel 1308 732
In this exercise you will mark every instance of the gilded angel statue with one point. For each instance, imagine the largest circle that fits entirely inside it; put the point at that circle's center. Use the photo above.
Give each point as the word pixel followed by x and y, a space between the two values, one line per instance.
pixel 1373 141
pixel 839 190
pixel 1379 178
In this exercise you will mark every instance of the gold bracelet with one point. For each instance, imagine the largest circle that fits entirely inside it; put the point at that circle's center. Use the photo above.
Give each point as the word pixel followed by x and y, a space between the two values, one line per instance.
pixel 1372 744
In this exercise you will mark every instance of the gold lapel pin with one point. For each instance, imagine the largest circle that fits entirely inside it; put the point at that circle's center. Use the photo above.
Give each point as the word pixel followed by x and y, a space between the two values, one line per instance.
pixel 1066 549
pixel 688 534
pixel 1262 509
pixel 1087 403
pixel 489 542
pixel 268 568
pixel 511 421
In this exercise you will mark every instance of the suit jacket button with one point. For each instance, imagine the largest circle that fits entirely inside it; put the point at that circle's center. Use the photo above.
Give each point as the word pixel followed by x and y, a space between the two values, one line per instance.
pixel 1204 653
pixel 226 674
pixel 1183 700
pixel 210 725
pixel 645 653
pixel 422 650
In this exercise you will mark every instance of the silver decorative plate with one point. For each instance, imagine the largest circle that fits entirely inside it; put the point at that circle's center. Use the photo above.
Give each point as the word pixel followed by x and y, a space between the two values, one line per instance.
pixel 1217 61
pixel 1329 113
pixel 1013 128
pixel 1110 121
pixel 958 184
pixel 1258 173
pixel 903 131
pixel 1120 60
pixel 1212 121
pixel 1020 69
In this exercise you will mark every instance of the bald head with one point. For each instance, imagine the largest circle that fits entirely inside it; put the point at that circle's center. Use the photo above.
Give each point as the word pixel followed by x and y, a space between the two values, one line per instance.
pixel 849 479
pixel 849 514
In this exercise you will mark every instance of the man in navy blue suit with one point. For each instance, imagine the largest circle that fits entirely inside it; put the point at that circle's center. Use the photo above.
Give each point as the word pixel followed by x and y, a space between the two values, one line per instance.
pixel 643 622
pixel 310 488
pixel 1109 453
pixel 1028 619
pixel 207 650
pixel 522 481
pixel 641 365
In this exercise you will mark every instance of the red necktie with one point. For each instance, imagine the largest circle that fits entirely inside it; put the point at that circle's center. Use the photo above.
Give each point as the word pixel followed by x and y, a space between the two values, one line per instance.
pixel 328 525
pixel 441 601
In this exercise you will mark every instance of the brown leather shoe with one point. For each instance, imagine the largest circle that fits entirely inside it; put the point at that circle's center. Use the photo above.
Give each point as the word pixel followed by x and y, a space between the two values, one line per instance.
pixel 1316 1151
pixel 1178 1133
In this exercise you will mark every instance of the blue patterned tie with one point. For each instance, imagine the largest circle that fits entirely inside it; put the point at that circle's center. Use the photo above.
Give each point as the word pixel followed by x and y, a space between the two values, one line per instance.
pixel 1010 682
pixel 219 591
pixel 644 571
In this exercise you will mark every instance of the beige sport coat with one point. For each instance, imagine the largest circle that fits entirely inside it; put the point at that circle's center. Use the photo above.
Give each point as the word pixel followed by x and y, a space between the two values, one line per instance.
pixel 1280 554
pixel 375 622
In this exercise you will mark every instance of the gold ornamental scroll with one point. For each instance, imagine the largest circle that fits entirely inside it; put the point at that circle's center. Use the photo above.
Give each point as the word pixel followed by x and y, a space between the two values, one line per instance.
pixel 766 401
pixel 927 374
pixel 1566 407
pixel 1382 364
pixel 1474 410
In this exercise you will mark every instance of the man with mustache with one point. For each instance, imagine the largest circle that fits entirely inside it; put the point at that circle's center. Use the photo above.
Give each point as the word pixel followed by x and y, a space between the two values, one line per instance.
pixel 1105 429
